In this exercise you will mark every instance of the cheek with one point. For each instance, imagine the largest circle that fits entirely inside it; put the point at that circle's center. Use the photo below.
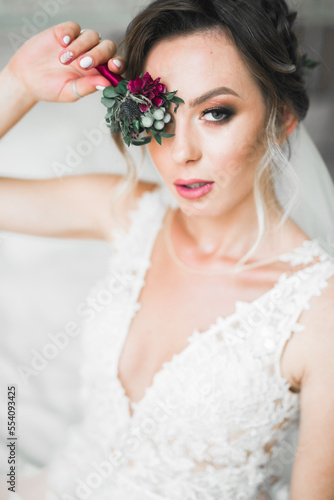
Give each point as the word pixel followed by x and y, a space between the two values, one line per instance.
pixel 233 163
pixel 159 155
pixel 240 150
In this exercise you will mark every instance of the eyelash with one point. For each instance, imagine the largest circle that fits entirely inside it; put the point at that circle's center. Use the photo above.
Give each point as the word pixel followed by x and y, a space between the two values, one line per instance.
pixel 228 112
pixel 223 111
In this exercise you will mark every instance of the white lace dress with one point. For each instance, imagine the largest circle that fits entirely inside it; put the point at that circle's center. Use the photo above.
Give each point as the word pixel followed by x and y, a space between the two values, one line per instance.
pixel 214 421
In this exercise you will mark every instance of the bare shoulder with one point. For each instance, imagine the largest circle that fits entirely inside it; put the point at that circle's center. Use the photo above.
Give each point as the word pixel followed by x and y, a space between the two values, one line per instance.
pixel 307 350
pixel 318 319
pixel 104 185
pixel 314 464
pixel 73 206
pixel 109 182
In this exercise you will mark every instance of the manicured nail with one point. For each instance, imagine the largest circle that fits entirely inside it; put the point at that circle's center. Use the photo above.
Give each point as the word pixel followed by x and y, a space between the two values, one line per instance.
pixel 66 39
pixel 99 87
pixel 117 63
pixel 67 56
pixel 86 62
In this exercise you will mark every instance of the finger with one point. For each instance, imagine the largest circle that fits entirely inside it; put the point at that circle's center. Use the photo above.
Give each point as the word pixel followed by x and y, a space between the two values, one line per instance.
pixel 98 55
pixel 117 65
pixel 84 85
pixel 85 43
pixel 67 32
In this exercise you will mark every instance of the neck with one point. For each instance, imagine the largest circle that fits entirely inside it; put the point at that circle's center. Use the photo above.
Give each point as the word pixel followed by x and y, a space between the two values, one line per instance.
pixel 229 235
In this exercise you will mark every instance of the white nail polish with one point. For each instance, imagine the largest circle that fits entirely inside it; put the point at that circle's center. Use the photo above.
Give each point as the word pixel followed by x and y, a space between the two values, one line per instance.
pixel 67 56
pixel 66 39
pixel 117 62
pixel 86 62
pixel 99 87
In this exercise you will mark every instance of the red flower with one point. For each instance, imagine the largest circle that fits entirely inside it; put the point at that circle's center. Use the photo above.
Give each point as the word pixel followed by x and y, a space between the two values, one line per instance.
pixel 143 107
pixel 149 88
pixel 158 101
pixel 136 85
pixel 161 88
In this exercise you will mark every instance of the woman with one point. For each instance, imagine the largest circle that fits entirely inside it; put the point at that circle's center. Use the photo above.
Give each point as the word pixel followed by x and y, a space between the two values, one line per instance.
pixel 195 400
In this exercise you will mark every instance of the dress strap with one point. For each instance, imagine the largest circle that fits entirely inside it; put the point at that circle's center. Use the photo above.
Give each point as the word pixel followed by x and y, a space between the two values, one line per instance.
pixel 144 220
pixel 299 289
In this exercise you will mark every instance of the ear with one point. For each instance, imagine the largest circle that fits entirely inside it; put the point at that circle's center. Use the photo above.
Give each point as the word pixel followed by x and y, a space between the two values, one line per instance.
pixel 289 121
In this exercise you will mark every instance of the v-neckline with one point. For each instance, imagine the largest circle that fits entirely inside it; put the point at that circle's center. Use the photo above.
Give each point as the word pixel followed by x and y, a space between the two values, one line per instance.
pixel 219 321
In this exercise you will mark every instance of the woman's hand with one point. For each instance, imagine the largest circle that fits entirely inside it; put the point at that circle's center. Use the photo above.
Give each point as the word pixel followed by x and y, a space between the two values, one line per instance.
pixel 46 66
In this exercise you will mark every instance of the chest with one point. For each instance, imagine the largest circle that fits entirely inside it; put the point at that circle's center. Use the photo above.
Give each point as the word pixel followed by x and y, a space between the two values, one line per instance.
pixel 173 304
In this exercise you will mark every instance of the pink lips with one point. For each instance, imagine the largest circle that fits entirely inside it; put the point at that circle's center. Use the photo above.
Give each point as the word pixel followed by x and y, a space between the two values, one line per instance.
pixel 192 193
pixel 189 181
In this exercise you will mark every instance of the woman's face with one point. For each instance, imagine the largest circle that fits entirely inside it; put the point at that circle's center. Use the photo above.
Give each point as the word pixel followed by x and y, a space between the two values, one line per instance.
pixel 217 137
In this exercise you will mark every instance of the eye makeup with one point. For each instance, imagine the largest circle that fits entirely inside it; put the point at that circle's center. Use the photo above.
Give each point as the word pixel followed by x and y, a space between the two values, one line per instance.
pixel 226 113
pixel 218 111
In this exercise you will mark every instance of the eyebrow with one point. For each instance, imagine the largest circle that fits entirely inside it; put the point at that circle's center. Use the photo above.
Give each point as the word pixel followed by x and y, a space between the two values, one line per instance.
pixel 212 93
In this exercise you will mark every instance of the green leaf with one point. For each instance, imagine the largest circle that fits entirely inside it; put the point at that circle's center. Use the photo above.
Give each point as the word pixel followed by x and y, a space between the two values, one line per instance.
pixel 136 126
pixel 164 134
pixel 110 92
pixel 141 142
pixel 157 138
pixel 169 96
pixel 108 102
pixel 122 86
pixel 309 63
pixel 178 99
pixel 126 140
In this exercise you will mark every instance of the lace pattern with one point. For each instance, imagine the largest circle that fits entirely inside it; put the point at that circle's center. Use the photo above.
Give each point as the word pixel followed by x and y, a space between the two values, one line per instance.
pixel 212 423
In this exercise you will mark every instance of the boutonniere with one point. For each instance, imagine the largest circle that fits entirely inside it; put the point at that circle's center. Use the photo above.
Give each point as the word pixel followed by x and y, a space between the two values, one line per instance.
pixel 137 106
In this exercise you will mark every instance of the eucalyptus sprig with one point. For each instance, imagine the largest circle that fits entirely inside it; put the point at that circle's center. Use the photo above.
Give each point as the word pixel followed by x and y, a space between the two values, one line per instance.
pixel 138 106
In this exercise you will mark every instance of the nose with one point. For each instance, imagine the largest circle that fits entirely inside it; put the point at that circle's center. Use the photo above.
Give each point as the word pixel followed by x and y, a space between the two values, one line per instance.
pixel 185 145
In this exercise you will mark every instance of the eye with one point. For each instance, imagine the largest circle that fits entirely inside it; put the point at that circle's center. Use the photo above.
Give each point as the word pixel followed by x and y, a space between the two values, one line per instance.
pixel 217 114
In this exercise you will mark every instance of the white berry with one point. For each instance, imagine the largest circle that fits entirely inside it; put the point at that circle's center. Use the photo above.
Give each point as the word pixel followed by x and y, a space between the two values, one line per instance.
pixel 159 125
pixel 146 121
pixel 167 118
pixel 158 114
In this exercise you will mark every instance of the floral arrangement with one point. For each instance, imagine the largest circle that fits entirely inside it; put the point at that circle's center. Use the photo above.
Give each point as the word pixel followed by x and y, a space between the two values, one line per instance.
pixel 137 106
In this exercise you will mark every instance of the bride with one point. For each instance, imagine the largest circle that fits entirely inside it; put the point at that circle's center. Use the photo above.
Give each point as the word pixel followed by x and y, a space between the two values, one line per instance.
pixel 222 334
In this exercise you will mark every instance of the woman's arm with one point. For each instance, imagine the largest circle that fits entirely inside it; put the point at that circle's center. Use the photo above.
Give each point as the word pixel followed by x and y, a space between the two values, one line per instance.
pixel 15 102
pixel 313 470
pixel 73 206
pixel 37 71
